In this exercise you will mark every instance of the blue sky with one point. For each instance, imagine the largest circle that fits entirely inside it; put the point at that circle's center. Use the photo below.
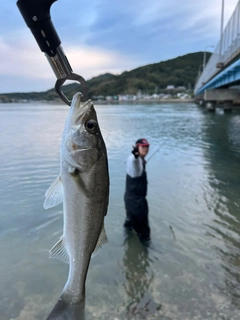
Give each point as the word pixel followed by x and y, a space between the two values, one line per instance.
pixel 102 36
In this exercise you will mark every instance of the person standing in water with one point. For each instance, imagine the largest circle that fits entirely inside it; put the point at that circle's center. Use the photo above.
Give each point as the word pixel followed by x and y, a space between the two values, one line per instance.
pixel 136 191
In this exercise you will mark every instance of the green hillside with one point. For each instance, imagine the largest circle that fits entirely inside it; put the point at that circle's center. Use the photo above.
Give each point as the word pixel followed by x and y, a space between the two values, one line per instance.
pixel 152 78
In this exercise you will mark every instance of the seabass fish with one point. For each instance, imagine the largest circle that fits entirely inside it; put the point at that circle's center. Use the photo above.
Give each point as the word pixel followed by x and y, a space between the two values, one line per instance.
pixel 83 186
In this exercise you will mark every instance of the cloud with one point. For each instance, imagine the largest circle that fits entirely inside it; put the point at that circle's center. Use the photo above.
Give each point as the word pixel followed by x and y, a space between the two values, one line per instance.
pixel 91 61
pixel 22 58
pixel 140 28
pixel 26 61
pixel 100 37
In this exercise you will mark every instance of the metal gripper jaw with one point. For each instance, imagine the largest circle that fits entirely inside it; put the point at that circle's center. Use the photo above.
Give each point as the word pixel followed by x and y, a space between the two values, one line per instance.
pixel 36 14
pixel 75 77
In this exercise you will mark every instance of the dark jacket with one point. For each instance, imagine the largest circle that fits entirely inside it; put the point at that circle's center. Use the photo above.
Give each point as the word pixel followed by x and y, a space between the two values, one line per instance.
pixel 136 186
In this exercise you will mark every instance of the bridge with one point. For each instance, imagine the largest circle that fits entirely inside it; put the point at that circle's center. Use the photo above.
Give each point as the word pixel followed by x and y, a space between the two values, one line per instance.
pixel 216 84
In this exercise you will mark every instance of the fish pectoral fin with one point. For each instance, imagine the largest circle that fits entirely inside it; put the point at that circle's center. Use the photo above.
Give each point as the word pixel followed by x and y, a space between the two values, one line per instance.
pixel 54 194
pixel 59 251
pixel 102 240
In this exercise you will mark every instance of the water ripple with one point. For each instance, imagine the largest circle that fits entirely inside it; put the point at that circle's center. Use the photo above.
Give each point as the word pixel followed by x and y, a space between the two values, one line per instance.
pixel 193 197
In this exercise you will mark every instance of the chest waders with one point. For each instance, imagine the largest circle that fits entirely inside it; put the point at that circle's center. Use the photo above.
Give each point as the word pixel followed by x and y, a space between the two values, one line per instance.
pixel 136 205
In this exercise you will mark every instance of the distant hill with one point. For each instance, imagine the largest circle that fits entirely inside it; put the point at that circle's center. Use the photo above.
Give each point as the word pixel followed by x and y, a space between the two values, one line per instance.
pixel 152 78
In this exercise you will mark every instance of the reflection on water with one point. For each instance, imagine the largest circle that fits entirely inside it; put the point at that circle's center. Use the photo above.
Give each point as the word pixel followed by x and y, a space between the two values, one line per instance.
pixel 192 269
pixel 138 280
pixel 223 165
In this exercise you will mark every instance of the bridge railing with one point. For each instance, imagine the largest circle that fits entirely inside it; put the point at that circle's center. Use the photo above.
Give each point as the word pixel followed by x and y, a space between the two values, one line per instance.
pixel 226 50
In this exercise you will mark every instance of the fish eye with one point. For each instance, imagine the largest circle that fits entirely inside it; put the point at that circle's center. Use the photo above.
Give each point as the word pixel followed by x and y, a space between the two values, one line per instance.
pixel 91 125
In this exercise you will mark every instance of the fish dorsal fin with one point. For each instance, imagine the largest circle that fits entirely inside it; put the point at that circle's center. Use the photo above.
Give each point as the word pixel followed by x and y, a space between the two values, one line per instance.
pixel 102 240
pixel 59 251
pixel 54 194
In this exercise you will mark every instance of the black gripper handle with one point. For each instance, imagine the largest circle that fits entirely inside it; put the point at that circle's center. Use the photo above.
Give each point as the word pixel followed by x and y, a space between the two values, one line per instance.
pixel 36 14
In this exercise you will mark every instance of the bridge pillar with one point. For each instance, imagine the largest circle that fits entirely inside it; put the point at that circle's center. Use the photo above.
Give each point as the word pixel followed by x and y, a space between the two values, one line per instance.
pixel 221 95
pixel 211 106
pixel 227 107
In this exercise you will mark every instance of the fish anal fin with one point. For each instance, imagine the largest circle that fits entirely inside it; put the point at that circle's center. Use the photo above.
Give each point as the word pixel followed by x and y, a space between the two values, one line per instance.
pixel 59 251
pixel 102 240
pixel 54 194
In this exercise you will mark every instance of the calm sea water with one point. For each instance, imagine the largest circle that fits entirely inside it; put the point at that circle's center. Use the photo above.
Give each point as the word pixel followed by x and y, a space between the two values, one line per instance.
pixel 192 269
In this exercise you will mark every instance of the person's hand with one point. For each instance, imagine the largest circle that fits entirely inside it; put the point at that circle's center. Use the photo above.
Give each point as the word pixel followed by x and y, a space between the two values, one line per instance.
pixel 135 152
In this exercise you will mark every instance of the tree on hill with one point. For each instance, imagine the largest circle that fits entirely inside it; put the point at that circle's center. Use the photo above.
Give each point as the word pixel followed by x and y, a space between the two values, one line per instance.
pixel 152 78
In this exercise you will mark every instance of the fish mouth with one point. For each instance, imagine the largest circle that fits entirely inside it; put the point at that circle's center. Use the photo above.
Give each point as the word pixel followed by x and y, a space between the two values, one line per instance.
pixel 87 105
pixel 79 106
pixel 82 113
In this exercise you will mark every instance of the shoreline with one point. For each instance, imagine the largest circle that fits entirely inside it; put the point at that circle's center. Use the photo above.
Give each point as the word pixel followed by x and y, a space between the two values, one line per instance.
pixel 158 101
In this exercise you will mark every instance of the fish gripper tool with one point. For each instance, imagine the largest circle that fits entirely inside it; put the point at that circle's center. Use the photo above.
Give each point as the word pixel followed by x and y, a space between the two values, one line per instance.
pixel 36 14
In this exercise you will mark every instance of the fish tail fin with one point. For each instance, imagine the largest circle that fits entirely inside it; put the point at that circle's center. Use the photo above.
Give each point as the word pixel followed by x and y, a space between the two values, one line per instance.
pixel 66 310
